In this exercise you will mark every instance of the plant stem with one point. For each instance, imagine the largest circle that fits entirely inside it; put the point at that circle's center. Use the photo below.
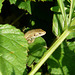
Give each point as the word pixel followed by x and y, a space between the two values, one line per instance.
pixel 49 52
pixel 17 19
pixel 71 11
pixel 61 5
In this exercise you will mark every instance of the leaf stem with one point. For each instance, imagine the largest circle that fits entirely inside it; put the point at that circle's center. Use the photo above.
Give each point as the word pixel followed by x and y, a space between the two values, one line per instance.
pixel 50 51
pixel 71 10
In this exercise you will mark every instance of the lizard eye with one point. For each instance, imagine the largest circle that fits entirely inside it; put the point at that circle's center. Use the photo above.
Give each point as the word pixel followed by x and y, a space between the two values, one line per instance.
pixel 34 34
pixel 39 33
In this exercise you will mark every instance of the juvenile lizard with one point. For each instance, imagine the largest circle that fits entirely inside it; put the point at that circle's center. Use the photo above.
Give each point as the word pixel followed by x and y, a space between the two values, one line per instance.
pixel 34 33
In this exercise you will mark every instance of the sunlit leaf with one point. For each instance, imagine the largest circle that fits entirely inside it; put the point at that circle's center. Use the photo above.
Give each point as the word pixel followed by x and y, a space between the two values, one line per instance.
pixel 12 1
pixel 0 5
pixel 58 24
pixel 13 51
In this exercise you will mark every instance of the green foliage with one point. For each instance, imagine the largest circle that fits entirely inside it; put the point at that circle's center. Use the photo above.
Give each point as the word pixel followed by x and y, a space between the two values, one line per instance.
pixel 38 73
pixel 60 62
pixel 12 1
pixel 0 5
pixel 57 9
pixel 13 51
pixel 24 5
pixel 16 53
pixel 58 24
pixel 45 0
pixel 37 49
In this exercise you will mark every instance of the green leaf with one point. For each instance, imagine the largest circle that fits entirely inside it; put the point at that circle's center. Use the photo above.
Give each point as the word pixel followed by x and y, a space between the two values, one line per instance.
pixel 1 5
pixel 73 22
pixel 69 1
pixel 41 0
pixel 13 51
pixel 32 23
pixel 36 50
pixel 24 5
pixel 58 24
pixel 57 9
pixel 62 60
pixel 38 73
pixel 12 1
pixel 45 0
pixel 72 34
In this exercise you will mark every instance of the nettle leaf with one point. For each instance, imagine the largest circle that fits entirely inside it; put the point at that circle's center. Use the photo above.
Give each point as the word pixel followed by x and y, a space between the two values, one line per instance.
pixel 22 4
pixel 12 1
pixel 13 51
pixel 63 60
pixel 36 50
pixel 25 5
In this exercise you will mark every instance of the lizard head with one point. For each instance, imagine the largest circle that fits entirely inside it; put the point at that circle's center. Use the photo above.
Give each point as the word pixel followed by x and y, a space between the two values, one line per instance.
pixel 38 33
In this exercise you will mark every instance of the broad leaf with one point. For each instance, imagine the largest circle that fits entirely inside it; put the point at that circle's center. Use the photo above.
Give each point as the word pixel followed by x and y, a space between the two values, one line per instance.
pixel 13 51
pixel 36 50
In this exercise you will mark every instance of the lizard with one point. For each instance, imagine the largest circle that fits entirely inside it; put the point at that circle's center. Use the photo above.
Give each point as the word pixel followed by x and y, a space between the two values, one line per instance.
pixel 34 33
